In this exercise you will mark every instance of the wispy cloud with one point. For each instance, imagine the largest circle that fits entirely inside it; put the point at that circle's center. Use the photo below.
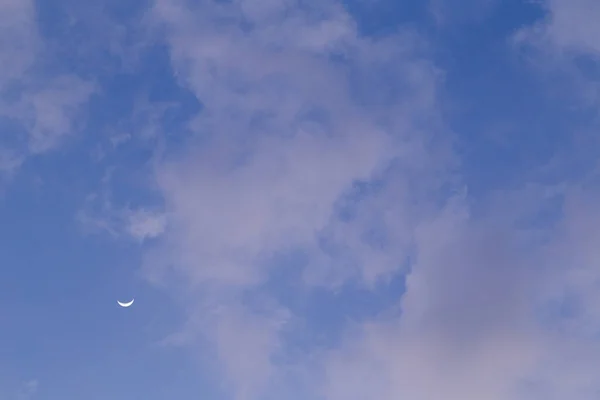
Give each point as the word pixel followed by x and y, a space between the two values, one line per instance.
pixel 447 14
pixel 562 43
pixel 101 215
pixel 570 24
pixel 29 390
pixel 41 108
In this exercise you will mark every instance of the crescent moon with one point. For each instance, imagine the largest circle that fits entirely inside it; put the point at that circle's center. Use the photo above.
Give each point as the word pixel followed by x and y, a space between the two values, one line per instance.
pixel 125 304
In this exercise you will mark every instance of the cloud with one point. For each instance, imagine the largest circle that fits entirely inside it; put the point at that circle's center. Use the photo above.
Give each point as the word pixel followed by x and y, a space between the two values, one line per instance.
pixel 465 329
pixel 285 135
pixel 19 38
pixel 303 120
pixel 570 25
pixel 10 161
pixel 50 112
pixel 326 149
pixel 144 224
pixel 490 310
pixel 40 109
pixel 446 13
pixel 101 215
pixel 29 390
pixel 563 47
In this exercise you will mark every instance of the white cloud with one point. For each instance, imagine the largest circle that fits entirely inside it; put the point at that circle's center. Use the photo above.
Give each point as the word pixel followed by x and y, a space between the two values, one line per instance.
pixel 447 13
pixel 18 42
pixel 571 25
pixel 298 108
pixel 101 215
pixel 28 390
pixel 144 224
pixel 465 331
pixel 556 43
pixel 10 161
pixel 49 113
pixel 18 45
pixel 44 107
pixel 283 135
pixel 483 312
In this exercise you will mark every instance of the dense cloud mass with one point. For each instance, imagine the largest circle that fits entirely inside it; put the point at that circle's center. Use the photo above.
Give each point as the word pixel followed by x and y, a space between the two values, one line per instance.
pixel 298 110
pixel 321 164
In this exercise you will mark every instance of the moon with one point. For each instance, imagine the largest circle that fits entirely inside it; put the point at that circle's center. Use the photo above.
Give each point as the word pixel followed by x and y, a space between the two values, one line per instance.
pixel 125 304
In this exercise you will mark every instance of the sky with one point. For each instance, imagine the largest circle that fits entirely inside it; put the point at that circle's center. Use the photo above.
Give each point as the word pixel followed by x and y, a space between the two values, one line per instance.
pixel 307 199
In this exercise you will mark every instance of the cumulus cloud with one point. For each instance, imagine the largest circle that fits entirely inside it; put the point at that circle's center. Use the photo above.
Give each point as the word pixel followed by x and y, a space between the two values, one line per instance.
pixel 284 134
pixel 323 146
pixel 466 329
pixel 312 139
pixel 490 311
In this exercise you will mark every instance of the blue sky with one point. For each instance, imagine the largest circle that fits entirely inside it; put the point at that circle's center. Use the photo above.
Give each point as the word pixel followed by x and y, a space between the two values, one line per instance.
pixel 329 200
